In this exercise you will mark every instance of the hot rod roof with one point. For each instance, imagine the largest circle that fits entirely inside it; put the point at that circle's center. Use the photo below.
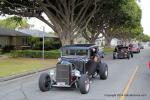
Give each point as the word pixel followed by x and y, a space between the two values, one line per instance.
pixel 79 46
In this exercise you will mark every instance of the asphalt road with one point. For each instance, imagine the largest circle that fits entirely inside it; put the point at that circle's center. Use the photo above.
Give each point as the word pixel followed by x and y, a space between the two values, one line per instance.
pixel 128 77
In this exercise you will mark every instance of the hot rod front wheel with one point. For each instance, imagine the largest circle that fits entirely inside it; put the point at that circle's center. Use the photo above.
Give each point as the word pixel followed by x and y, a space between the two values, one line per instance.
pixel 84 84
pixel 44 82
pixel 103 71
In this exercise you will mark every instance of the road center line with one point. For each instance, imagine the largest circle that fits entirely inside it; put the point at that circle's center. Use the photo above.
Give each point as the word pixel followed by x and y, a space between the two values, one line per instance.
pixel 125 91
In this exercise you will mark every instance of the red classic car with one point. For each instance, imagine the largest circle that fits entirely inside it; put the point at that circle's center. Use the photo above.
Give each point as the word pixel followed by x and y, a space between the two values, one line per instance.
pixel 135 48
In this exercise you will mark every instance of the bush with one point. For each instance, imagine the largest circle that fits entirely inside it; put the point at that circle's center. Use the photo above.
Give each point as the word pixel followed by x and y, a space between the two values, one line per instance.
pixel 49 44
pixel 8 48
pixel 37 46
pixel 35 54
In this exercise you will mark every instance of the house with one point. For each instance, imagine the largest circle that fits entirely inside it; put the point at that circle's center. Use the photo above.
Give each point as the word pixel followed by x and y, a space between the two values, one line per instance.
pixel 36 33
pixel 19 38
pixel 115 42
pixel 12 37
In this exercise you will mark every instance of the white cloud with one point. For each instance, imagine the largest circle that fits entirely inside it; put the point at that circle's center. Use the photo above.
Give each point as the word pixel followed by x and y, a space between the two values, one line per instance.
pixel 145 6
pixel 37 24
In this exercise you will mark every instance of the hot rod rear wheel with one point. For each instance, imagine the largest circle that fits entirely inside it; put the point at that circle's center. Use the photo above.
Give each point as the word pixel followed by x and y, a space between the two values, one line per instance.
pixel 128 56
pixel 44 82
pixel 103 71
pixel 114 57
pixel 84 84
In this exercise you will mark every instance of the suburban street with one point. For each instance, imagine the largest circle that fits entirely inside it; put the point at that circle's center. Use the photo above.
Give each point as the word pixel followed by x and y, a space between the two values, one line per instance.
pixel 130 77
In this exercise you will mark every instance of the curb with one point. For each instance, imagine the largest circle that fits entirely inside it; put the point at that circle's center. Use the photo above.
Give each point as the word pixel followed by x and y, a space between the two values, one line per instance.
pixel 23 75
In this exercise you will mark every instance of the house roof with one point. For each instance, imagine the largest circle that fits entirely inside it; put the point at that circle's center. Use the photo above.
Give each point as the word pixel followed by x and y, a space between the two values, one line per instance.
pixel 10 32
pixel 35 33
pixel 24 32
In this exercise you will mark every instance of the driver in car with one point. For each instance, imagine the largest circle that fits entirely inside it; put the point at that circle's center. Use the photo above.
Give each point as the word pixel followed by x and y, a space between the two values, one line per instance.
pixel 92 65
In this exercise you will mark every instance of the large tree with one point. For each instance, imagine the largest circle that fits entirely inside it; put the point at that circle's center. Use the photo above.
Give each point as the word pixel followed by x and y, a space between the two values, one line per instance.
pixel 115 18
pixel 65 17
pixel 143 38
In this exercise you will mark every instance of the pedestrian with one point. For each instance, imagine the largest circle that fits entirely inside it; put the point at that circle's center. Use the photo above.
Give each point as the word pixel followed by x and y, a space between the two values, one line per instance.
pixel 130 49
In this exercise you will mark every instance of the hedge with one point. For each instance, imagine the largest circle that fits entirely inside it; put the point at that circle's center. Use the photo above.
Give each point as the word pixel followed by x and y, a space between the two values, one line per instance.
pixel 35 53
pixel 7 48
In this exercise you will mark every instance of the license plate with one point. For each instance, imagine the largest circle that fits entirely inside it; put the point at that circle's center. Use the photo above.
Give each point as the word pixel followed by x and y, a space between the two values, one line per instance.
pixel 61 83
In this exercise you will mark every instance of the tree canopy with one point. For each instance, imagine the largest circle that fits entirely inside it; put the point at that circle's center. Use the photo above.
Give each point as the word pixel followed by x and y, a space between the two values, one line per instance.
pixel 115 18
pixel 143 38
pixel 68 18
pixel 14 22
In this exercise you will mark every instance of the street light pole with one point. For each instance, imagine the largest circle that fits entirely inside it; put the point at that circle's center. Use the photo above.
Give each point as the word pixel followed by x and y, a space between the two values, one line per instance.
pixel 43 43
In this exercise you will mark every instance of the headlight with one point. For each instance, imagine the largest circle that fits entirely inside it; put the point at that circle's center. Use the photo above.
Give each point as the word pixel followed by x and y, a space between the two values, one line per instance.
pixel 59 59
pixel 86 60
pixel 76 73
pixel 52 72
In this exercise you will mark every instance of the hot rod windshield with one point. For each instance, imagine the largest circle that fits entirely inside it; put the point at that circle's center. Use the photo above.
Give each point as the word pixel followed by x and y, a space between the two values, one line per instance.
pixel 74 52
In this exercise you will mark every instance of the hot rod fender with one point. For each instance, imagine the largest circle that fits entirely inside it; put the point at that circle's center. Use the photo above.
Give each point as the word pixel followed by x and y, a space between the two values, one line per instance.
pixel 91 67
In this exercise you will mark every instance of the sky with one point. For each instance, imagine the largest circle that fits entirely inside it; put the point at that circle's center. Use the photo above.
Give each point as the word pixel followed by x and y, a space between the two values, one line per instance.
pixel 37 24
pixel 144 4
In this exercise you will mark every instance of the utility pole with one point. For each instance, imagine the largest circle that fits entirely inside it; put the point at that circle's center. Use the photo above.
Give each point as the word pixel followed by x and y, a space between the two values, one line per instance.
pixel 43 43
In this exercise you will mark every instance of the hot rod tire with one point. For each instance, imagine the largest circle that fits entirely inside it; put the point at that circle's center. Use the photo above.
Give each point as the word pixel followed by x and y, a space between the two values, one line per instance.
pixel 103 71
pixel 84 84
pixel 128 56
pixel 139 51
pixel 44 82
pixel 114 57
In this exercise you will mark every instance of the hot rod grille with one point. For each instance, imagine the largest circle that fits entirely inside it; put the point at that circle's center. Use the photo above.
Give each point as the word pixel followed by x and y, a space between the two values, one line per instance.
pixel 63 73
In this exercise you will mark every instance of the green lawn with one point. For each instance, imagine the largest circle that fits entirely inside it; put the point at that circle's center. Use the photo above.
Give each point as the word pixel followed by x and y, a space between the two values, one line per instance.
pixel 13 66
pixel 108 49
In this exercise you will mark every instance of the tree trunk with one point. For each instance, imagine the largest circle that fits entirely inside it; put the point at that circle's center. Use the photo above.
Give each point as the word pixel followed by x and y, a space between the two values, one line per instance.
pixel 66 37
pixel 107 41
pixel 65 41
pixel 92 41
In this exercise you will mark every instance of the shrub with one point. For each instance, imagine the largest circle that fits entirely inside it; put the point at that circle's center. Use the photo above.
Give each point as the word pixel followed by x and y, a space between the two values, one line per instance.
pixel 35 53
pixel 49 43
pixel 8 48
pixel 37 46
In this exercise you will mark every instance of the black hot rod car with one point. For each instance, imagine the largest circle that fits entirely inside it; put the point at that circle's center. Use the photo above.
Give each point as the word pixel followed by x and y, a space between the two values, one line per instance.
pixel 121 52
pixel 76 66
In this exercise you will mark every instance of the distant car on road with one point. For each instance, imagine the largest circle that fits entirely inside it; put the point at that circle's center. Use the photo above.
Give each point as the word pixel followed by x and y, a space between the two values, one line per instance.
pixel 135 48
pixel 141 46
pixel 121 52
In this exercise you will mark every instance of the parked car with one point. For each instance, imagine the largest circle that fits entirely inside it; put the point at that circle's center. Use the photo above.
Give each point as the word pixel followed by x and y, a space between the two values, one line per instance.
pixel 141 46
pixel 76 66
pixel 121 52
pixel 135 48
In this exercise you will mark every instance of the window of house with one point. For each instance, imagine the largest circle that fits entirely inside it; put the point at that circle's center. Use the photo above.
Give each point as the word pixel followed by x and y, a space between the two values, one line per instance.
pixel 24 41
